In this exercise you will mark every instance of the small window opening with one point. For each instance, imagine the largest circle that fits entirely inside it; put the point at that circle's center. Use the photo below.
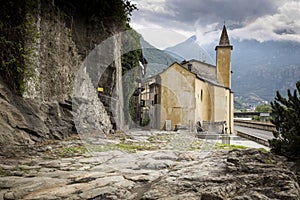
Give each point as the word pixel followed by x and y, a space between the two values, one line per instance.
pixel 201 95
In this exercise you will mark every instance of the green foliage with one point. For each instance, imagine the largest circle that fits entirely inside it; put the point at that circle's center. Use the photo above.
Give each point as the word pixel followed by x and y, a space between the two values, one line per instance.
pixel 17 30
pixel 263 108
pixel 105 12
pixel 12 42
pixel 158 60
pixel 146 120
pixel 131 53
pixel 123 146
pixel 133 147
pixel 286 118
pixel 259 118
pixel 219 146
pixel 130 60
pixel 70 151
pixel 270 161
pixel 256 118
pixel 132 114
pixel 131 49
pixel 196 145
pixel 263 150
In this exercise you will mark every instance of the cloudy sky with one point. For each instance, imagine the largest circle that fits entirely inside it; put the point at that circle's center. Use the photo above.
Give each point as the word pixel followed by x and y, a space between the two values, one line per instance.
pixel 167 22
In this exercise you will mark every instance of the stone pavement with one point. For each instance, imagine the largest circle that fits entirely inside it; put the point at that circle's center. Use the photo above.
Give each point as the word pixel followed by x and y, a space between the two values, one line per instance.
pixel 144 165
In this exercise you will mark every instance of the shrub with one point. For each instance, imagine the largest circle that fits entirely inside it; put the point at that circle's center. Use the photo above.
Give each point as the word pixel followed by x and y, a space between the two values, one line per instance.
pixel 286 118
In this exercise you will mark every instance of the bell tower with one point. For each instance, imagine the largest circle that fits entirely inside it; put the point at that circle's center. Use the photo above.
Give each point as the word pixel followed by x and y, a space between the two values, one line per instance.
pixel 223 59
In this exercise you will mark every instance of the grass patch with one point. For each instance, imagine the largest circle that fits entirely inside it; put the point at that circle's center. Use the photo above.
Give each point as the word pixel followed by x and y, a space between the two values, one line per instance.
pixel 220 146
pixel 127 147
pixel 133 147
pixel 160 138
pixel 270 161
pixel 263 150
pixel 70 151
pixel 196 145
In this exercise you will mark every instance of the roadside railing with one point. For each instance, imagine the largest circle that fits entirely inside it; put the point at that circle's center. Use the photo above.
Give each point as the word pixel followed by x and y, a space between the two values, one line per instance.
pixel 254 124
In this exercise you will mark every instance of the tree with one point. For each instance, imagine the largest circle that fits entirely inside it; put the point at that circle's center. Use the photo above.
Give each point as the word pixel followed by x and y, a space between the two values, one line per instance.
pixel 286 118
pixel 263 108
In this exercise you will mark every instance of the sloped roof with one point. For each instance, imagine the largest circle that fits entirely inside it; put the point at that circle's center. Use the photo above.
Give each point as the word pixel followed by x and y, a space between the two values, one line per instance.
pixel 198 76
pixel 212 82
pixel 194 60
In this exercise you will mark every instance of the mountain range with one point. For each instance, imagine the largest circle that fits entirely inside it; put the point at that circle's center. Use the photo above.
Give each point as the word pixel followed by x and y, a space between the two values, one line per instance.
pixel 158 60
pixel 262 68
pixel 259 68
pixel 189 50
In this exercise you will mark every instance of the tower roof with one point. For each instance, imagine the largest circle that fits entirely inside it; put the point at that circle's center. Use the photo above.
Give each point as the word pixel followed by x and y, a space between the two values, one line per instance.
pixel 224 39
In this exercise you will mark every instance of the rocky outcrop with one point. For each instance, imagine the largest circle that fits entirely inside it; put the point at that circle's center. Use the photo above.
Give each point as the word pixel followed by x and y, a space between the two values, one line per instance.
pixel 235 175
pixel 26 121
pixel 155 170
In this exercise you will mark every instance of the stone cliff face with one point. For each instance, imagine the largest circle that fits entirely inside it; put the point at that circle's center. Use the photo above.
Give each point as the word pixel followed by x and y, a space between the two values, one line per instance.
pixel 56 61
pixel 64 41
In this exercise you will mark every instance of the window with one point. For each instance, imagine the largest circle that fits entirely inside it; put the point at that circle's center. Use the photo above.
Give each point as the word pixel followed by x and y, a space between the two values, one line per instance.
pixel 155 99
pixel 142 103
pixel 190 67
pixel 201 94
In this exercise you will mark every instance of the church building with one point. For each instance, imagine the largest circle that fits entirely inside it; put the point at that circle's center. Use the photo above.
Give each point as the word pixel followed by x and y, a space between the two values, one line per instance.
pixel 191 94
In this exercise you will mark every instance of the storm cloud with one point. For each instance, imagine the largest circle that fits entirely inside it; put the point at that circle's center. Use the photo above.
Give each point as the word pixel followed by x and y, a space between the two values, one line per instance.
pixel 206 12
pixel 246 19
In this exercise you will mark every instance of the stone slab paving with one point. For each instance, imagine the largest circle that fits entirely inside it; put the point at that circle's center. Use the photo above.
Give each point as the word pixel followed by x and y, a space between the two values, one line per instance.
pixel 144 165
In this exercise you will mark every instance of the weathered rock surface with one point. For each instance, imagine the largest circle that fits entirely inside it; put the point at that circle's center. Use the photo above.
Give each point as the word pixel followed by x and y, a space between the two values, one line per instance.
pixel 25 121
pixel 238 175
pixel 56 171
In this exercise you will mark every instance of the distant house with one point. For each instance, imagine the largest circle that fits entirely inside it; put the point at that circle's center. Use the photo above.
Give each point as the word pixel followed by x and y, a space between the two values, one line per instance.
pixel 190 93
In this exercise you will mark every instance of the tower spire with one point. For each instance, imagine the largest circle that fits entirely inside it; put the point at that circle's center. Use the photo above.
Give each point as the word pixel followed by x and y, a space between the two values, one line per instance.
pixel 224 39
pixel 223 60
